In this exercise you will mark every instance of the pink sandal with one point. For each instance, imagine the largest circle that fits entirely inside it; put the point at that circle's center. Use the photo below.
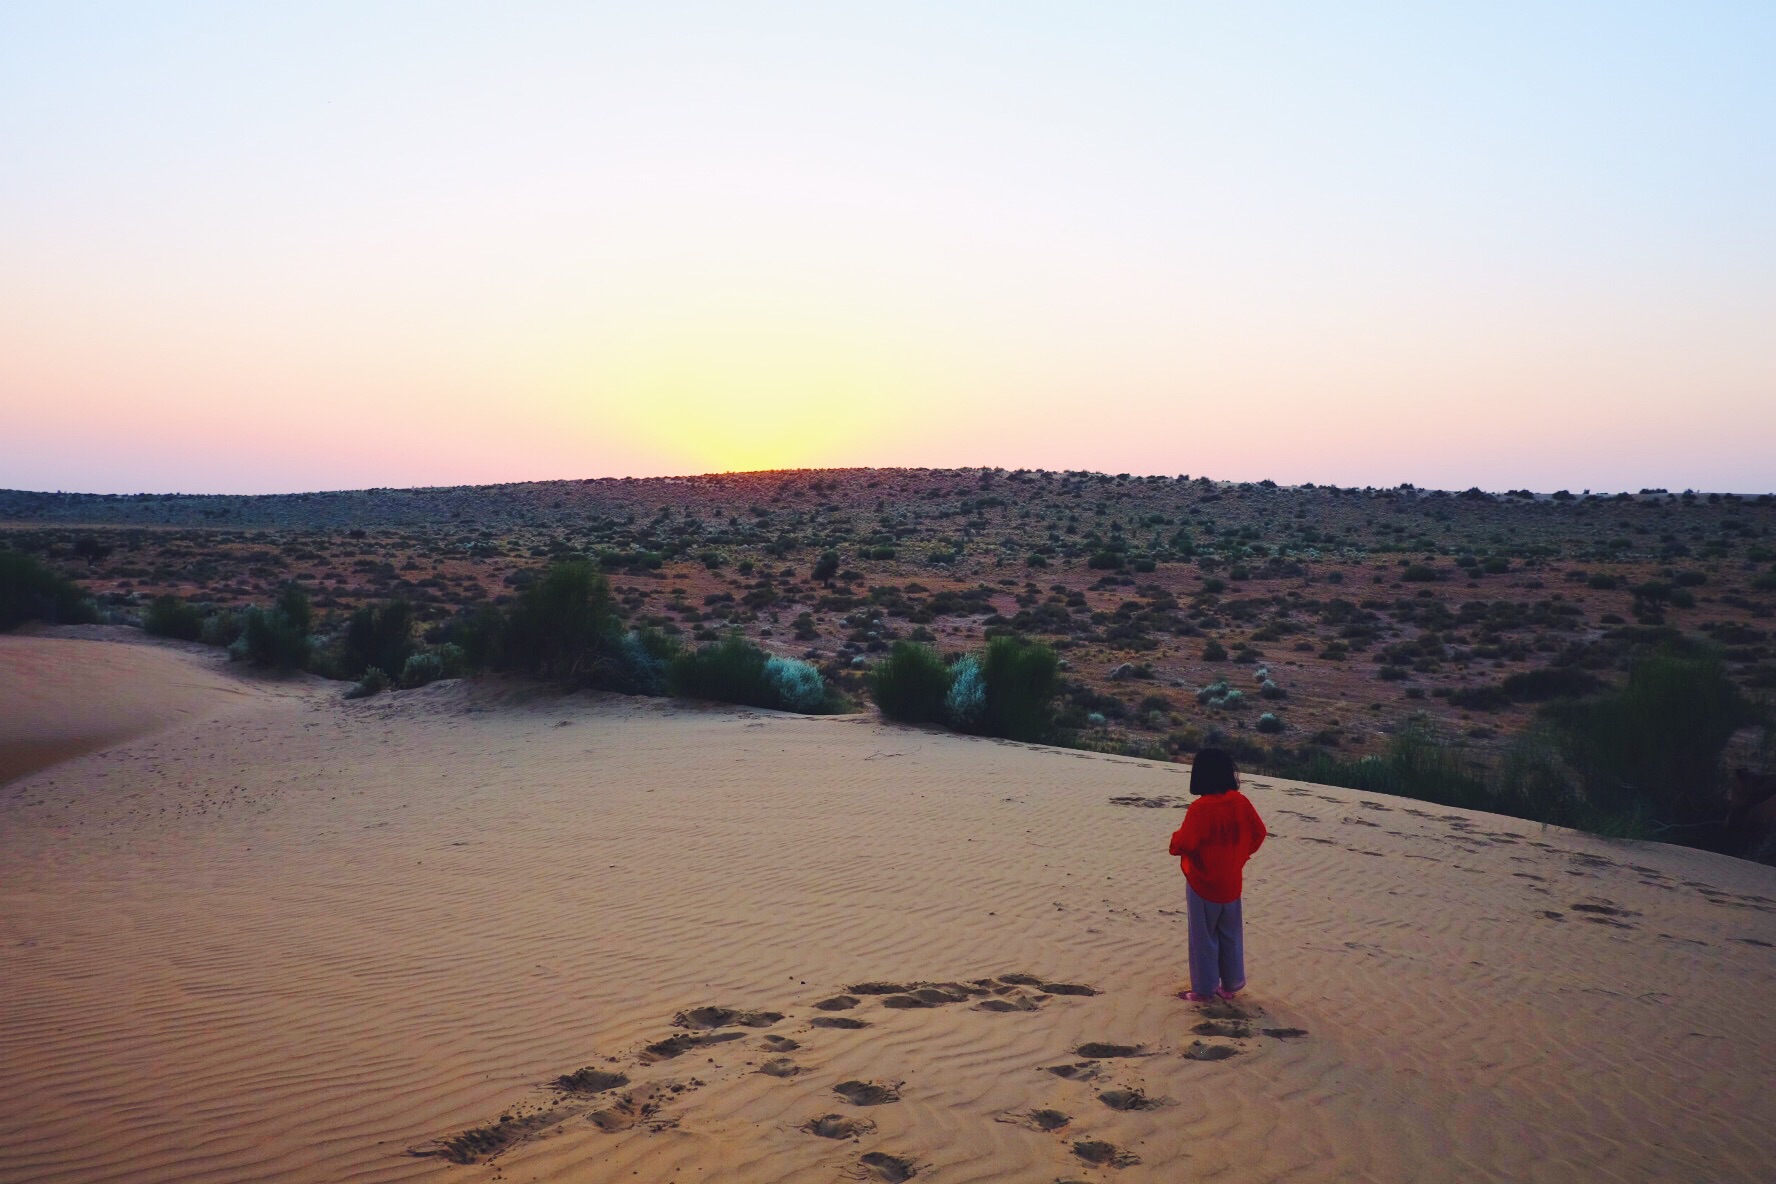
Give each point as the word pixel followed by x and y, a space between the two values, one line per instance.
pixel 1193 997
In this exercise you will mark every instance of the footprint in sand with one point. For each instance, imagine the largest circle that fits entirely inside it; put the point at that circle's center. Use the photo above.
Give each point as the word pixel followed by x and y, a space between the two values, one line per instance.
pixel 780 1044
pixel 1020 1003
pixel 1083 1071
pixel 837 1021
pixel 1100 1154
pixel 1231 1028
pixel 1284 1033
pixel 891 1169
pixel 779 1067
pixel 485 1142
pixel 676 1046
pixel 1098 1050
pixel 867 1093
pixel 837 1003
pixel 1200 1051
pixel 632 1109
pixel 837 1126
pixel 590 1081
pixel 1131 1099
pixel 1040 1120
pixel 724 1017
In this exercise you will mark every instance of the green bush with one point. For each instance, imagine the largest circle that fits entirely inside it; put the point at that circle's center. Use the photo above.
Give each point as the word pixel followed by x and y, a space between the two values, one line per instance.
pixel 1022 678
pixel 640 664
pixel 168 616
pixel 1479 698
pixel 277 637
pixel 564 626
pixel 911 684
pixel 1549 682
pixel 735 670
pixel 222 628
pixel 1656 742
pixel 374 682
pixel 379 635
pixel 422 669
pixel 826 567
pixel 32 591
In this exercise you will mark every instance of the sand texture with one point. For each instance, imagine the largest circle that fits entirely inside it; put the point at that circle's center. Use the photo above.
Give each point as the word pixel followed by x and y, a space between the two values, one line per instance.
pixel 272 935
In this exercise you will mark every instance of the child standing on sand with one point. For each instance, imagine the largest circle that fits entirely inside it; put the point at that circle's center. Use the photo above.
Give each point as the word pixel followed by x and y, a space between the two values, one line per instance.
pixel 1221 830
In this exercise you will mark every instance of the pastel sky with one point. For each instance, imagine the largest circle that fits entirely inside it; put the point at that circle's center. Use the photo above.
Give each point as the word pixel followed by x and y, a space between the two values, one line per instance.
pixel 258 248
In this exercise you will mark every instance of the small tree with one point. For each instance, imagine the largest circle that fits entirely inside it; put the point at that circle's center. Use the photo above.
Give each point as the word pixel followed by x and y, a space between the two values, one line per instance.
pixel 278 636
pixel 31 591
pixel 911 684
pixel 564 625
pixel 379 635
pixel 1657 742
pixel 168 616
pixel 826 567
pixel 1022 678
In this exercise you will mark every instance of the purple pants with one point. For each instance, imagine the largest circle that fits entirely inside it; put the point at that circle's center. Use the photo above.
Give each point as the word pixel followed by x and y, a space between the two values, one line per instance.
pixel 1217 944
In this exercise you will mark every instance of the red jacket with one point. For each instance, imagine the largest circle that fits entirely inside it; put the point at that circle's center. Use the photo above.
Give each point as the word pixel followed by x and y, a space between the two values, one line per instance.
pixel 1219 834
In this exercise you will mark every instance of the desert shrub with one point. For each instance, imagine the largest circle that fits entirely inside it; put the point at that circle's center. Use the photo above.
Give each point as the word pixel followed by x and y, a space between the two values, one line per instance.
pixel 798 685
pixel 421 669
pixel 911 684
pixel 563 626
pixel 374 682
pixel 1212 694
pixel 728 671
pixel 1022 678
pixel 277 637
pixel 222 627
pixel 1105 561
pixel 1657 741
pixel 825 567
pixel 1603 582
pixel 379 635
pixel 1270 690
pixel 1419 573
pixel 966 703
pixel 32 591
pixel 640 663
pixel 1214 651
pixel 168 616
pixel 1269 723
pixel 1479 698
pixel 1549 682
pixel 1415 765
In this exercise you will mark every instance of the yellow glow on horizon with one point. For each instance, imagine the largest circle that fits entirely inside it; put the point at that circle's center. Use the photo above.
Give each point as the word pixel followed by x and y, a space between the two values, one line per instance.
pixel 750 393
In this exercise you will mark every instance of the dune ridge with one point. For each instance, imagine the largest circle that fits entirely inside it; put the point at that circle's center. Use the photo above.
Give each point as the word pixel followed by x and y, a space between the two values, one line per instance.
pixel 318 940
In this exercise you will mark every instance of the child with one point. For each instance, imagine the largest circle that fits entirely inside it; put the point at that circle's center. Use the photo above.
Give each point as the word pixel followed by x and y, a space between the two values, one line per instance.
pixel 1221 830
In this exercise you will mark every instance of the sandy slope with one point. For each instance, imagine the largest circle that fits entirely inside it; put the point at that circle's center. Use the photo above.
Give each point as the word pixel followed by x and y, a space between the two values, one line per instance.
pixel 311 938
pixel 68 691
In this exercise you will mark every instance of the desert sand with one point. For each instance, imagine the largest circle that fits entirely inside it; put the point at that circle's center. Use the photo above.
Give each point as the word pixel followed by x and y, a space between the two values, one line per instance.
pixel 250 931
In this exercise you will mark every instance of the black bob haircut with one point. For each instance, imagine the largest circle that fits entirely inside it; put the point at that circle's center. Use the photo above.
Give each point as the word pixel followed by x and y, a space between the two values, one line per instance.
pixel 1212 772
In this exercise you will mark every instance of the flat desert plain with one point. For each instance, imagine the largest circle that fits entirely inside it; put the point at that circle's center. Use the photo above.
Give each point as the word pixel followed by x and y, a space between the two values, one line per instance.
pixel 251 931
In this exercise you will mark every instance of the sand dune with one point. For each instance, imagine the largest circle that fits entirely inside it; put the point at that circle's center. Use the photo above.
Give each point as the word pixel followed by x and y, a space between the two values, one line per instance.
pixel 318 940
pixel 70 691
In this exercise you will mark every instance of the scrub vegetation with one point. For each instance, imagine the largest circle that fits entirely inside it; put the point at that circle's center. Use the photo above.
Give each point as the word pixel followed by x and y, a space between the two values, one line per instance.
pixel 1448 643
